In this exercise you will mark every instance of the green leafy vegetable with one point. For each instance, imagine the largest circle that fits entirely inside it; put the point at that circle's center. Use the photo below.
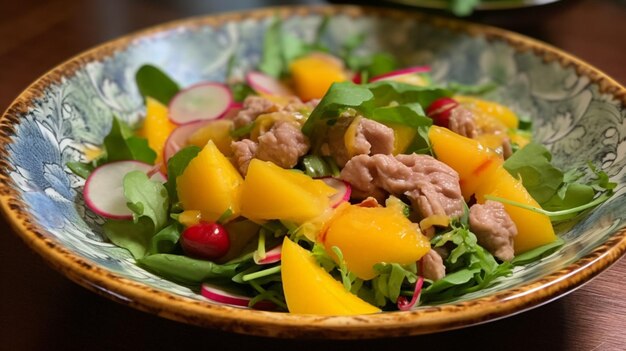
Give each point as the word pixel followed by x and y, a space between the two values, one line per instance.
pixel 146 198
pixel 241 91
pixel 388 284
pixel 154 83
pixel 120 144
pixel 272 60
pixel 561 195
pixel 539 176
pixel 81 169
pixel 166 239
pixel 316 166
pixel 187 270
pixel 132 236
pixel 537 253
pixel 176 166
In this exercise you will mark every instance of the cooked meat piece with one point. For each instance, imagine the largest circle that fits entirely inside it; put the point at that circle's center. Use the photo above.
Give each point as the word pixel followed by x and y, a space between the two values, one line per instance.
pixel 283 144
pixel 494 228
pixel 373 138
pixel 432 186
pixel 432 266
pixel 462 122
pixel 253 106
pixel 370 138
pixel 243 152
pixel 438 190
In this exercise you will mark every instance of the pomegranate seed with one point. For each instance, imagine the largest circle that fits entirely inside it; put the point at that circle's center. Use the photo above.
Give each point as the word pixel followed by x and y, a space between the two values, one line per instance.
pixel 440 110
pixel 205 240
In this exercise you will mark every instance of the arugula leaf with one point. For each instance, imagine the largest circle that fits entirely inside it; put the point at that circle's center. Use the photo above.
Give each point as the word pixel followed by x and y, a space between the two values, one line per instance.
pixel 380 63
pixel 241 91
pixel 385 101
pixel 272 61
pixel 166 239
pixel 120 145
pixel 539 176
pixel 323 258
pixel 81 169
pixel 132 236
pixel 176 166
pixel 146 198
pixel 390 279
pixel 185 269
pixel 538 253
pixel 153 82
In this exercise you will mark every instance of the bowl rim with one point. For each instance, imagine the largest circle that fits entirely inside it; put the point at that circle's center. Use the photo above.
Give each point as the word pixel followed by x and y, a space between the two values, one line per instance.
pixel 204 313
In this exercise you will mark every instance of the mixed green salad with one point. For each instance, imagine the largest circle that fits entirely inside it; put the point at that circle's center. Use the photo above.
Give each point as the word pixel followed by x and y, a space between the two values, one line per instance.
pixel 330 183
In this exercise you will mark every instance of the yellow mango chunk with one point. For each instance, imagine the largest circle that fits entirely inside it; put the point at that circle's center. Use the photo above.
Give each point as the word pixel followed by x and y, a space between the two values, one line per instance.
pixel 218 131
pixel 534 229
pixel 312 75
pixel 309 289
pixel 156 127
pixel 403 136
pixel 271 192
pixel 472 160
pixel 210 184
pixel 489 114
pixel 370 235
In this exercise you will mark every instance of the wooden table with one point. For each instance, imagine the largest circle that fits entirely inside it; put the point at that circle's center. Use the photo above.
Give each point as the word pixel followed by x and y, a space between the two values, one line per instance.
pixel 40 309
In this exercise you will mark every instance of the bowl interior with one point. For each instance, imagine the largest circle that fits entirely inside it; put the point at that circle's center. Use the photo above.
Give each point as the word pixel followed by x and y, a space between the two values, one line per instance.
pixel 576 117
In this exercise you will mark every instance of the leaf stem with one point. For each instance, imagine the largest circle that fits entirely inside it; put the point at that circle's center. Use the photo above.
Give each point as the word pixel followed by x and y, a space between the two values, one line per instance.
pixel 259 274
pixel 600 199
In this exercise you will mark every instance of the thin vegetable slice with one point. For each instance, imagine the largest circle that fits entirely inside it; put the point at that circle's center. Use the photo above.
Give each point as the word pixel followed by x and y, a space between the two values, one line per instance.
pixel 217 294
pixel 264 84
pixel 178 138
pixel 343 190
pixel 200 102
pixel 104 190
pixel 401 72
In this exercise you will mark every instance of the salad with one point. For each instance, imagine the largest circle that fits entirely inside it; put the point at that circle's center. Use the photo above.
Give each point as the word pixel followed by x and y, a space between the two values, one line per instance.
pixel 330 183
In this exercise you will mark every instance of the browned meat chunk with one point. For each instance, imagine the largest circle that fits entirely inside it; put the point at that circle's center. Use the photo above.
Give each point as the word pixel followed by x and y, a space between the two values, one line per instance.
pixel 432 266
pixel 283 144
pixel 243 152
pixel 432 186
pixel 462 122
pixel 370 138
pixel 253 106
pixel 507 150
pixel 494 229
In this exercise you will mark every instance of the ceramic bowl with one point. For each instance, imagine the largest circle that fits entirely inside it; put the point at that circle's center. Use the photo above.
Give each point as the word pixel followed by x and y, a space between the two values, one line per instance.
pixel 577 111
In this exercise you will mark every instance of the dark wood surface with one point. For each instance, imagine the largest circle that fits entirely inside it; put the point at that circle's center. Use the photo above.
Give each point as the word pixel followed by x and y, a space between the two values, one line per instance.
pixel 41 309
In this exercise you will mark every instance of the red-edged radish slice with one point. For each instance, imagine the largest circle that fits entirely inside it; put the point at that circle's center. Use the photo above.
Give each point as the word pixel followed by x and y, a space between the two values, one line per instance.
pixel 264 84
pixel 200 102
pixel 217 294
pixel 178 138
pixel 401 72
pixel 104 188
pixel 271 256
pixel 343 190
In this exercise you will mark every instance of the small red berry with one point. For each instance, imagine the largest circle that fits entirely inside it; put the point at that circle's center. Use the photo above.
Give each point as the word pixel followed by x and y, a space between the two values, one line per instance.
pixel 440 111
pixel 205 240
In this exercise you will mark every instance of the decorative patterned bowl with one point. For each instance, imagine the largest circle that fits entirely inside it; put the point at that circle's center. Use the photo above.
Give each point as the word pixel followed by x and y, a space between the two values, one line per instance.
pixel 578 112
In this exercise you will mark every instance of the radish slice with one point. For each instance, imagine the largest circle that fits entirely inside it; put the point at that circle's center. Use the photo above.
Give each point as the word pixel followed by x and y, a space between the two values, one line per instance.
pixel 401 72
pixel 104 189
pixel 200 102
pixel 343 190
pixel 217 294
pixel 264 84
pixel 178 138
pixel 271 256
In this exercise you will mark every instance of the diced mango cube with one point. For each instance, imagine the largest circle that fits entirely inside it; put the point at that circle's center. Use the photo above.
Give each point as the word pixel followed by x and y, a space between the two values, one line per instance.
pixel 156 127
pixel 313 74
pixel 271 192
pixel 218 131
pixel 309 289
pixel 210 184
pixel 534 229
pixel 370 235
